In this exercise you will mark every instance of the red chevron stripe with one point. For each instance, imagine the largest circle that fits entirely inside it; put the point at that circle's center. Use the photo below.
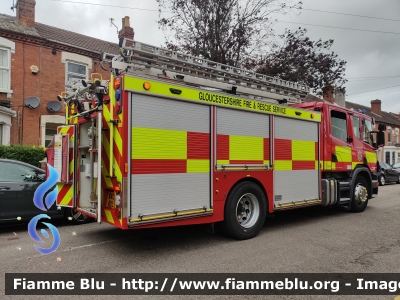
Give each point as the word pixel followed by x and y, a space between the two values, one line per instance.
pixel 63 192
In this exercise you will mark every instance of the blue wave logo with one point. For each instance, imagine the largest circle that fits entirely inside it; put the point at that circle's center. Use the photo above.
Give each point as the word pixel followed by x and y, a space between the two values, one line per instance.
pixel 49 187
pixel 33 233
pixel 46 186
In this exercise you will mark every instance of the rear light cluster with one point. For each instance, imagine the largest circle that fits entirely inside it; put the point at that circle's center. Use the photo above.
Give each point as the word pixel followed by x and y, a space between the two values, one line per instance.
pixel 118 94
pixel 118 200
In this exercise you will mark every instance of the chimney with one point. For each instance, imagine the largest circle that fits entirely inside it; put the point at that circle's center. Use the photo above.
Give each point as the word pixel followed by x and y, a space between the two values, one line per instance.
pixel 340 99
pixel 126 31
pixel 376 107
pixel 327 93
pixel 26 12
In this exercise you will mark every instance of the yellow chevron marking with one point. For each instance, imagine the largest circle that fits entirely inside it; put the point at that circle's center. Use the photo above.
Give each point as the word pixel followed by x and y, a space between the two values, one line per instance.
pixel 109 216
pixel 105 174
pixel 117 170
pixel 118 140
pixel 68 196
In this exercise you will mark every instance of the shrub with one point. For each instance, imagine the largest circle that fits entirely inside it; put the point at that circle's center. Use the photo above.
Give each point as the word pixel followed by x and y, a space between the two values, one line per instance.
pixel 28 154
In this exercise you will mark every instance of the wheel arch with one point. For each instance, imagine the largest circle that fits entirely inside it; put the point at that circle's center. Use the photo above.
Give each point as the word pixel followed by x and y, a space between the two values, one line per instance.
pixel 364 172
pixel 253 180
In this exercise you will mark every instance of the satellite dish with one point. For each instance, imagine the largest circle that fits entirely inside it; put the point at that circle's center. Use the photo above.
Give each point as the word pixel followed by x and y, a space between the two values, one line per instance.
pixel 54 106
pixel 32 102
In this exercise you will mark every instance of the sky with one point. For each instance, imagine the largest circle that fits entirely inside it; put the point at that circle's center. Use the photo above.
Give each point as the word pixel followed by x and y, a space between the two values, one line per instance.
pixel 372 52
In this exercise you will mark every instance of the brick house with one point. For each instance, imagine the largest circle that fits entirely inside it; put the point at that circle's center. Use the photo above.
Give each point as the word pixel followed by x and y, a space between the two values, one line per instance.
pixel 390 153
pixel 38 61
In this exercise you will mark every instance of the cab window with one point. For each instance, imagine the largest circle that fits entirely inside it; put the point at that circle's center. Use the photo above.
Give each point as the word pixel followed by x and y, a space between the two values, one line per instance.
pixel 339 125
pixel 356 127
pixel 367 128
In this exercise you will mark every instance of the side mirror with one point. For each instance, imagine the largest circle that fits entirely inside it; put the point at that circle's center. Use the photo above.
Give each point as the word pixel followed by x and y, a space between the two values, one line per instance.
pixel 349 139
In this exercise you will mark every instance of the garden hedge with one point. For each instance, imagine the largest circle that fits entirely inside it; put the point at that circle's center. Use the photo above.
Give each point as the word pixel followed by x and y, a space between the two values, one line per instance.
pixel 28 154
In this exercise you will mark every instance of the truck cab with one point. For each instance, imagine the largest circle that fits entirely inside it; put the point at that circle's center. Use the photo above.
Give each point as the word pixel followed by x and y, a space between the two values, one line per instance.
pixel 348 147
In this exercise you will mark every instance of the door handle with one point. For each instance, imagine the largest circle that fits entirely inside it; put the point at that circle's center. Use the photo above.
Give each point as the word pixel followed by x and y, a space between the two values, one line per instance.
pixel 4 188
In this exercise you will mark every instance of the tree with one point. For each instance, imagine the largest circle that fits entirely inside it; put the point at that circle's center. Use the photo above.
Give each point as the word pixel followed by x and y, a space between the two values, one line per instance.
pixel 304 61
pixel 225 31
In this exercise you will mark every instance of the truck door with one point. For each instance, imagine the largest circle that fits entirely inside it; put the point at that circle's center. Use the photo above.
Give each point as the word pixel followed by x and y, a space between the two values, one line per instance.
pixel 358 151
pixel 341 142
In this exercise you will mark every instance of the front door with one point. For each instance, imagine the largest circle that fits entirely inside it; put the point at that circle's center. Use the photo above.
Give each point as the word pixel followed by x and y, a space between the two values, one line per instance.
pixel 341 144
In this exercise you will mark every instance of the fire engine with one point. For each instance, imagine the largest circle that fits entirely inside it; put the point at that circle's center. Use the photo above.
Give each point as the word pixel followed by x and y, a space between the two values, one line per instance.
pixel 175 140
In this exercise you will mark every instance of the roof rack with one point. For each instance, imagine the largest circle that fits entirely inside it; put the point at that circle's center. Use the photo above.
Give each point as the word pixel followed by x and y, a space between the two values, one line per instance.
pixel 136 56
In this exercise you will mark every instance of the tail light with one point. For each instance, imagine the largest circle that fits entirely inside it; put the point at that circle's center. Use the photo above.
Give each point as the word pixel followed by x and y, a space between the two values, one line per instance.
pixel 118 93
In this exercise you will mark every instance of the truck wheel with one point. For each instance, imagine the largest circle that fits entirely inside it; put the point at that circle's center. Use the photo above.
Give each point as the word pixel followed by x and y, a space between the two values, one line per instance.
pixel 75 217
pixel 245 211
pixel 382 180
pixel 360 195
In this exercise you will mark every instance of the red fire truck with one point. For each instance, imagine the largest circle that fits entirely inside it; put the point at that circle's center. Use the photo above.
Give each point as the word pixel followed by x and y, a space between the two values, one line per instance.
pixel 175 140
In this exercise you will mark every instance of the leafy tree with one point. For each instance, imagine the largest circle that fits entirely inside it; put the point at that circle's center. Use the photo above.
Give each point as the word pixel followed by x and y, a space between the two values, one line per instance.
pixel 225 31
pixel 305 61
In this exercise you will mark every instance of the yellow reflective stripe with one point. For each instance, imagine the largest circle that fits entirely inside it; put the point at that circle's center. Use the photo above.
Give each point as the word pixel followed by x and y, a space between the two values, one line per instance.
pixel 211 98
pixel 151 143
pixel 283 165
pixel 327 165
pixel 303 150
pixel 371 157
pixel 105 174
pixel 71 167
pixel 118 140
pixel 222 162
pixel 343 154
pixel 317 165
pixel 246 148
pixel 109 217
pixel 198 166
pixel 354 164
pixel 266 162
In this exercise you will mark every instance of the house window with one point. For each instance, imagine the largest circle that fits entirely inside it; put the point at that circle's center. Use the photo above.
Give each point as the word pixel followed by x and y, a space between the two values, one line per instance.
pixel 4 69
pixel 76 72
pixel 51 130
pixel 387 157
pixel 1 134
pixel 389 131
pixel 393 158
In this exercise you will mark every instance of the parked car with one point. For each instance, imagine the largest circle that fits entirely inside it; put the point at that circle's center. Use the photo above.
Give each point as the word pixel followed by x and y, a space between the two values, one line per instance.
pixel 387 174
pixel 396 167
pixel 18 182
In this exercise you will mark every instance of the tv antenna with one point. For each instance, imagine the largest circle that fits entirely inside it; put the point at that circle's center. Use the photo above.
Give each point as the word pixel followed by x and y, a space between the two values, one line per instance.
pixel 112 23
pixel 13 6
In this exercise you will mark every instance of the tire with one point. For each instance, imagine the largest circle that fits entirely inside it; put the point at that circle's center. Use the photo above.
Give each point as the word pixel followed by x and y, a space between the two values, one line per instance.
pixel 359 198
pixel 398 179
pixel 76 218
pixel 245 211
pixel 382 180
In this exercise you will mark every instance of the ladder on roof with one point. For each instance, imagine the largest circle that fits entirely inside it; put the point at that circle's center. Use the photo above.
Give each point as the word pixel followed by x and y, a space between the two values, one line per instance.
pixel 136 56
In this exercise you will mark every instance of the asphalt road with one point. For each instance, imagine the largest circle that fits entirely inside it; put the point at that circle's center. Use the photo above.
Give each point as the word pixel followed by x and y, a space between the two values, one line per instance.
pixel 307 240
